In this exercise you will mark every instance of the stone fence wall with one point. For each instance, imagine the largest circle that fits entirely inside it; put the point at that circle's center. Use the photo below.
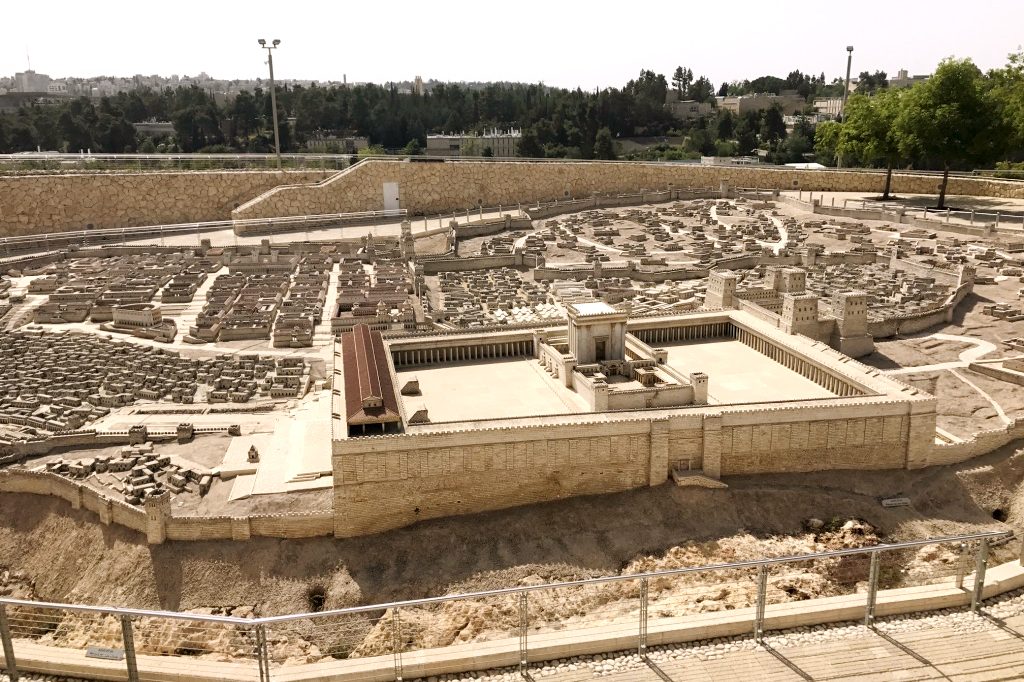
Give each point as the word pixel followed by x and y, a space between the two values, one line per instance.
pixel 432 188
pixel 981 443
pixel 184 528
pixel 32 204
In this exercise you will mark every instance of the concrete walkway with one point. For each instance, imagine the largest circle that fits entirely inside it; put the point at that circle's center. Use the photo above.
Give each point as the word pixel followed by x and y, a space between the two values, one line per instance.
pixel 942 653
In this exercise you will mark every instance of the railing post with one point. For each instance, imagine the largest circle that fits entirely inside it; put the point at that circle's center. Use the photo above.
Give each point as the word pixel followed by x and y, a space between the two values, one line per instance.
pixel 947 214
pixel 997 220
pixel 869 609
pixel 396 643
pixel 524 624
pixel 960 567
pixel 762 592
pixel 642 643
pixel 128 640
pixel 262 660
pixel 972 216
pixel 981 563
pixel 8 645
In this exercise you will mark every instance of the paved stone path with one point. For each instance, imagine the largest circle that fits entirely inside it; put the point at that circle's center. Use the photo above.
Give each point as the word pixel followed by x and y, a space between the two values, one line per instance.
pixel 979 348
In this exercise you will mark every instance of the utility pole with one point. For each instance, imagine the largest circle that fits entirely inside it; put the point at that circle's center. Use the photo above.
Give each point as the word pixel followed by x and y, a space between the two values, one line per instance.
pixel 273 94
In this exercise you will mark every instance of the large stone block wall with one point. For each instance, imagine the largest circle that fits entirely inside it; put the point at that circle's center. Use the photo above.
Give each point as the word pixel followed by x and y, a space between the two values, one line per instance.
pixel 797 446
pixel 32 204
pixel 432 188
pixel 383 483
pixel 388 482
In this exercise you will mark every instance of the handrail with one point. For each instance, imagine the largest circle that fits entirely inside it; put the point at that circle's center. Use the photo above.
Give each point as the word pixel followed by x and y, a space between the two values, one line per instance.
pixel 753 563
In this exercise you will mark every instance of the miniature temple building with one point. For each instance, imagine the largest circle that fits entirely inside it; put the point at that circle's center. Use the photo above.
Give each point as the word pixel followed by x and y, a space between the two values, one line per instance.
pixel 371 404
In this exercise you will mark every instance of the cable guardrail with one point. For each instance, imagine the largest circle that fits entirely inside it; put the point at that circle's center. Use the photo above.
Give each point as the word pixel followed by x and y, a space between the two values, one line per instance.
pixel 506 621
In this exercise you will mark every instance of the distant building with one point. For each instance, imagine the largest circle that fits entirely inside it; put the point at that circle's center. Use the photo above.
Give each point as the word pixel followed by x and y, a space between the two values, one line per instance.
pixel 154 128
pixel 417 86
pixel 903 80
pixel 331 144
pixel 501 144
pixel 686 109
pixel 30 81
pixel 729 160
pixel 830 107
pixel 790 101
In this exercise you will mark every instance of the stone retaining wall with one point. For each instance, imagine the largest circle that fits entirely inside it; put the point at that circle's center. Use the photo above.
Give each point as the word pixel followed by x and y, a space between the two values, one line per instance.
pixel 32 204
pixel 432 188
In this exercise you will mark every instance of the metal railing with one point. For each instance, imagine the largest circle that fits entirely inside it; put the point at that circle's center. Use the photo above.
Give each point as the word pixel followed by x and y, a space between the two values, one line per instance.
pixel 517 622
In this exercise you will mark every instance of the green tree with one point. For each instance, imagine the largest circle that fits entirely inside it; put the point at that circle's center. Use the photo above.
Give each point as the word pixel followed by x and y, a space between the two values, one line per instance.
pixel 412 148
pixel 868 83
pixel 869 131
pixel 826 142
pixel 726 125
pixel 773 126
pixel 529 145
pixel 702 90
pixel 952 118
pixel 604 145
pixel 372 150
pixel 678 77
pixel 1008 88
pixel 487 152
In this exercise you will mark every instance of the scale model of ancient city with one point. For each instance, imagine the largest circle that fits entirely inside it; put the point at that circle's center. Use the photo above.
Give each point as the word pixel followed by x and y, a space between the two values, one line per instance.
pixel 384 351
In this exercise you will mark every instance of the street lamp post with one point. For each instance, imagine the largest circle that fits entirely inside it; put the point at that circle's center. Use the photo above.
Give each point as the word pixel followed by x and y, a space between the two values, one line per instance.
pixel 846 93
pixel 846 88
pixel 273 94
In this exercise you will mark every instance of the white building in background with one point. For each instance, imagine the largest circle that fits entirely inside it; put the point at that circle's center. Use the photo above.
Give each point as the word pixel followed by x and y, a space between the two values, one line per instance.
pixel 501 143
pixel 30 81
pixel 828 106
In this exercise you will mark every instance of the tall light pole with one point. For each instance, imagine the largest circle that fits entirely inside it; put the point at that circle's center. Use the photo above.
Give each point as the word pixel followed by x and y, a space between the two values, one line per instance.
pixel 846 88
pixel 846 92
pixel 273 94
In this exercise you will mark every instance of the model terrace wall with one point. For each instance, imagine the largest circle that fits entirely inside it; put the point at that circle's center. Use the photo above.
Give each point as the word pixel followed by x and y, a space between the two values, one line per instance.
pixel 78 495
pixel 434 475
pixel 53 203
pixel 980 443
pixel 432 188
pixel 815 439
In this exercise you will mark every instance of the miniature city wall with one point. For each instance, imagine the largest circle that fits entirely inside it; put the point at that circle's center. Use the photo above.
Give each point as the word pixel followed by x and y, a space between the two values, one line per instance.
pixel 53 203
pixel 158 524
pixel 431 188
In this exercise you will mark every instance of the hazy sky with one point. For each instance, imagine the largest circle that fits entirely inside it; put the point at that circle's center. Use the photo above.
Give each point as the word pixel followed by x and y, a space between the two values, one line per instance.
pixel 586 44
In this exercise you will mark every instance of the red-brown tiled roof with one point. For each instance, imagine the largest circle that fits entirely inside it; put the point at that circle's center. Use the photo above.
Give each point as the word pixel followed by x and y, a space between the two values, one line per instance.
pixel 367 378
